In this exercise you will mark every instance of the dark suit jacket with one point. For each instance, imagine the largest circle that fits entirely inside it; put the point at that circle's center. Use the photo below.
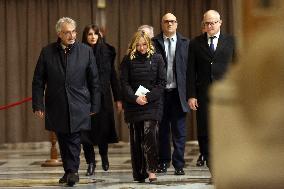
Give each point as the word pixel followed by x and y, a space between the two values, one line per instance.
pixel 180 63
pixel 204 67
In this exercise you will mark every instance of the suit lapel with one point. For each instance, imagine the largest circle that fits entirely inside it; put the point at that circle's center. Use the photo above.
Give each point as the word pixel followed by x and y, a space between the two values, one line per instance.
pixel 178 46
pixel 205 46
pixel 161 50
pixel 221 44
pixel 161 42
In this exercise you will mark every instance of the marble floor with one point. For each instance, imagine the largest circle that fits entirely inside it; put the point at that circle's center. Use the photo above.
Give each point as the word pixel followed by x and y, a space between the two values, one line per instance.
pixel 20 167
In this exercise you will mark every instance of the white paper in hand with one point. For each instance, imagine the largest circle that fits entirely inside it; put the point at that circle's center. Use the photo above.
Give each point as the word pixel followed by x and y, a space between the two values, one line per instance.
pixel 141 91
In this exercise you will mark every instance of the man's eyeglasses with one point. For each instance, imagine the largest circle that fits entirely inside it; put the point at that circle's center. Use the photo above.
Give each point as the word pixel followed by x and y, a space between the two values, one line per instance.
pixel 69 33
pixel 210 23
pixel 169 21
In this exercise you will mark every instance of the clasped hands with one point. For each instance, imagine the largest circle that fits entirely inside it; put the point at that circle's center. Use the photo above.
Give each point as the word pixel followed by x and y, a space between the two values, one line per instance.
pixel 141 100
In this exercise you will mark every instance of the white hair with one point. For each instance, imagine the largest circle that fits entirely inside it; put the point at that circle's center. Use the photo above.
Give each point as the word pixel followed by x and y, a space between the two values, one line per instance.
pixel 64 20
pixel 212 12
pixel 147 27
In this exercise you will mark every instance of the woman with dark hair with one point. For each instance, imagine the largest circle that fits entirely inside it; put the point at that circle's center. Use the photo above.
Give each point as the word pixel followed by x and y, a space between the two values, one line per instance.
pixel 143 81
pixel 103 124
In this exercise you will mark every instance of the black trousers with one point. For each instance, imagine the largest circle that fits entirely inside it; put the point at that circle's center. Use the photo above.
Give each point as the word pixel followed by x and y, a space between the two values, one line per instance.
pixel 202 115
pixel 89 151
pixel 144 148
pixel 70 148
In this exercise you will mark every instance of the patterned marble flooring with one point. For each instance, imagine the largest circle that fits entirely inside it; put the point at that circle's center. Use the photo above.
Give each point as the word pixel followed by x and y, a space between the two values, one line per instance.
pixel 20 167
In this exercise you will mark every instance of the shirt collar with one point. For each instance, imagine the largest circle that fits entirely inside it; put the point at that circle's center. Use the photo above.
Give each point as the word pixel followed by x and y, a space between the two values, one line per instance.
pixel 63 46
pixel 173 38
pixel 216 35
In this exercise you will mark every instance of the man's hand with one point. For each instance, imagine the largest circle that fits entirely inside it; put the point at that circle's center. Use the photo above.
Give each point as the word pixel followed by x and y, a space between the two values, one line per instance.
pixel 92 113
pixel 192 103
pixel 40 114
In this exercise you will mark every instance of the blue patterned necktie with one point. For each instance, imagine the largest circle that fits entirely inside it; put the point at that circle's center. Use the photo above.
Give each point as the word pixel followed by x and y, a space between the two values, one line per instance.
pixel 211 45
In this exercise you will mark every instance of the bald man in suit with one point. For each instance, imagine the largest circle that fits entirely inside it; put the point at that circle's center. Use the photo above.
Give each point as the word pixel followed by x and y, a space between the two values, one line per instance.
pixel 209 57
pixel 174 49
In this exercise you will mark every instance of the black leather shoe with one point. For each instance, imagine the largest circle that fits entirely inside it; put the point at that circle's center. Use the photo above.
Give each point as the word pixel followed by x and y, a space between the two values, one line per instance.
pixel 105 163
pixel 90 169
pixel 179 171
pixel 141 178
pixel 72 179
pixel 63 179
pixel 162 168
pixel 200 161
pixel 207 164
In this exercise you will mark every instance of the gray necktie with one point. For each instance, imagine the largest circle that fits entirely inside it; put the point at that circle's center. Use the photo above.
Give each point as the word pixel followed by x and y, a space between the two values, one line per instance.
pixel 170 77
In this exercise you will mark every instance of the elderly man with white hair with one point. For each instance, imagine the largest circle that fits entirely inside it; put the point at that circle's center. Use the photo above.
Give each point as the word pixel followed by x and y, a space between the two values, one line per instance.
pixel 65 92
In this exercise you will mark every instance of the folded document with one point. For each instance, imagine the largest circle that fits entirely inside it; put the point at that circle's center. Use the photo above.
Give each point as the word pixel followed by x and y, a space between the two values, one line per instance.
pixel 141 91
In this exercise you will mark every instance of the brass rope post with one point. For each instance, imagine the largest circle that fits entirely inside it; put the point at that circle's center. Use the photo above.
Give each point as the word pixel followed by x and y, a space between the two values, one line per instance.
pixel 53 161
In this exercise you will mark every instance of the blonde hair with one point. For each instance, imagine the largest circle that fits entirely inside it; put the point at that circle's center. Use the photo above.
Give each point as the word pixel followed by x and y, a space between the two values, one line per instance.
pixel 132 46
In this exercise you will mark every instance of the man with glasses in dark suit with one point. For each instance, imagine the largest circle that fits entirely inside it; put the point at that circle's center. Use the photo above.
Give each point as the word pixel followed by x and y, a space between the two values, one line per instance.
pixel 174 49
pixel 209 58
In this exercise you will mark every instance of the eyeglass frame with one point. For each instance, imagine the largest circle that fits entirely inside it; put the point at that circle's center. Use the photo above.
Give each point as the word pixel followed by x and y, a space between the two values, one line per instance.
pixel 69 33
pixel 211 23
pixel 169 21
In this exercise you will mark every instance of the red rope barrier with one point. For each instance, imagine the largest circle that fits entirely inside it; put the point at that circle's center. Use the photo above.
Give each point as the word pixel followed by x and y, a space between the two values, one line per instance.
pixel 15 103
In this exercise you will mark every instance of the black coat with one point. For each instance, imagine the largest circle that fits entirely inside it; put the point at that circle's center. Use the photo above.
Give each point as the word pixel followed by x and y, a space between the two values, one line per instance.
pixel 69 85
pixel 150 73
pixel 105 59
pixel 103 123
pixel 180 64
pixel 204 67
